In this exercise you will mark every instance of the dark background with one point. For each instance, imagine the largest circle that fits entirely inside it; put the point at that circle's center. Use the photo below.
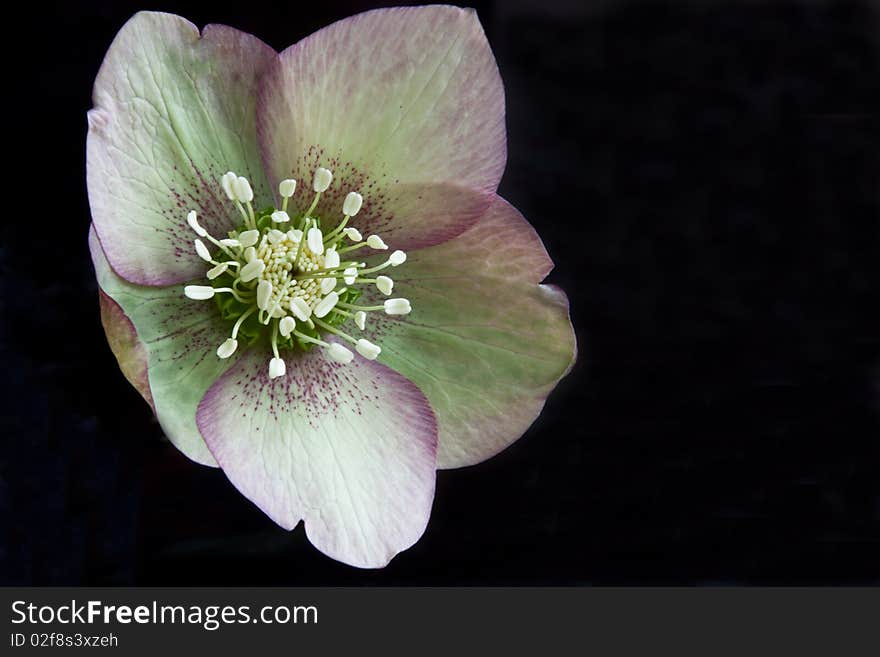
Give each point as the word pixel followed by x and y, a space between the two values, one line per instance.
pixel 706 176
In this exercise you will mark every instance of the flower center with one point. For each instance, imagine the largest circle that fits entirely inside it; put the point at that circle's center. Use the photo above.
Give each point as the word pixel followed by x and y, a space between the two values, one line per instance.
pixel 286 279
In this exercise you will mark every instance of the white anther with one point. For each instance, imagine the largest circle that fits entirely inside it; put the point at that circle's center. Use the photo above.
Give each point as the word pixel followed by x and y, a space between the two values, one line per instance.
pixel 384 284
pixel 287 187
pixel 199 292
pixel 326 304
pixel 280 216
pixel 360 318
pixel 328 285
pixel 277 312
pixel 286 326
pixel 295 235
pixel 228 348
pixel 353 234
pixel 331 259
pixel 243 191
pixel 250 254
pixel 194 224
pixel 277 368
pixel 350 275
pixel 228 241
pixel 214 272
pixel 300 309
pixel 315 240
pixel 227 182
pixel 264 295
pixel 352 204
pixel 375 242
pixel 322 179
pixel 397 258
pixel 248 237
pixel 367 349
pixel 251 270
pixel 202 250
pixel 339 353
pixel 275 236
pixel 397 307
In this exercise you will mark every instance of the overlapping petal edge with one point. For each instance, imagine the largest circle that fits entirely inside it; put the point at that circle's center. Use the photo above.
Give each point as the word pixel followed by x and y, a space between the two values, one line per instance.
pixel 456 385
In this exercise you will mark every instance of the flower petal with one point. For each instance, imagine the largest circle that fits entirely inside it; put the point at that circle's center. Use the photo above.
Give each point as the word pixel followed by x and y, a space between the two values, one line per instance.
pixel 180 337
pixel 397 96
pixel 350 449
pixel 126 346
pixel 484 342
pixel 173 111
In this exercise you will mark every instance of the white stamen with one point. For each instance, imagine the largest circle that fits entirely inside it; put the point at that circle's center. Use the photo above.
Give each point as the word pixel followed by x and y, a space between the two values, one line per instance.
pixel 331 259
pixel 228 348
pixel 275 236
pixel 277 312
pixel 339 353
pixel 277 368
pixel 242 189
pixel 202 250
pixel 251 270
pixel 287 187
pixel 384 284
pixel 397 258
pixel 295 235
pixel 397 307
pixel 286 326
pixel 300 309
pixel 264 295
pixel 326 304
pixel 375 242
pixel 352 204
pixel 353 234
pixel 360 318
pixel 350 275
pixel 328 285
pixel 248 238
pixel 280 216
pixel 214 272
pixel 250 254
pixel 316 240
pixel 322 179
pixel 199 292
pixel 194 224
pixel 367 349
pixel 228 241
pixel 227 182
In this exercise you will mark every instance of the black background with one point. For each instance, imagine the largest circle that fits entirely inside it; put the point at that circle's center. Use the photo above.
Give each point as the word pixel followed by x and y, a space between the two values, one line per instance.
pixel 705 176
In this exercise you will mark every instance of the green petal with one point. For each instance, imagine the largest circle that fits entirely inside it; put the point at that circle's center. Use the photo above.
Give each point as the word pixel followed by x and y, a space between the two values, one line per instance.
pixel 484 342
pixel 173 111
pixel 180 337
pixel 126 346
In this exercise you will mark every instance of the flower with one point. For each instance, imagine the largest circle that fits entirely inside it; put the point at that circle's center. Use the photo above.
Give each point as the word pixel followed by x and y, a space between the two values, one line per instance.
pixel 305 269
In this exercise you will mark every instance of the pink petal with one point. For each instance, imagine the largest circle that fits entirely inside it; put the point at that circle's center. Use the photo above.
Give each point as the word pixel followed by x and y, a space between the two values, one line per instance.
pixel 174 110
pixel 387 98
pixel 126 346
pixel 349 449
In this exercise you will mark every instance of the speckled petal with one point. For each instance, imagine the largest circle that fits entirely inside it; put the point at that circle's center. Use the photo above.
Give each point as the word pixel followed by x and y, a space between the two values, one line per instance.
pixel 179 337
pixel 173 111
pixel 485 342
pixel 392 97
pixel 349 449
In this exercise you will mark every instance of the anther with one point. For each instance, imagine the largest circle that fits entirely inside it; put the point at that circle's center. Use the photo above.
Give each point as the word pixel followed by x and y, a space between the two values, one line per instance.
pixel 339 353
pixel 264 295
pixel 375 242
pixel 397 307
pixel 202 250
pixel 331 259
pixel 194 224
pixel 228 348
pixel 367 349
pixel 287 187
pixel 316 240
pixel 242 189
pixel 352 204
pixel 300 309
pixel 350 275
pixel 397 258
pixel 360 318
pixel 275 236
pixel 326 304
pixel 227 182
pixel 286 326
pixel 322 179
pixel 251 270
pixel 214 272
pixel 248 238
pixel 353 234
pixel 277 368
pixel 280 216
pixel 384 284
pixel 328 285
pixel 199 292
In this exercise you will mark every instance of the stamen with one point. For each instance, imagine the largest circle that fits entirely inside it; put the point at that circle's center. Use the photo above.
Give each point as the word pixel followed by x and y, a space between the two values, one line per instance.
pixel 326 304
pixel 286 326
pixel 202 250
pixel 352 204
pixel 315 240
pixel 194 224
pixel 339 353
pixel 242 189
pixel 353 234
pixel 251 270
pixel 397 307
pixel 228 348
pixel 214 272
pixel 277 368
pixel 248 238
pixel 384 284
pixel 287 187
pixel 397 258
pixel 367 349
pixel 360 318
pixel 280 216
pixel 322 179
pixel 227 182
pixel 375 242
pixel 199 292
pixel 300 309
pixel 328 285
pixel 350 275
